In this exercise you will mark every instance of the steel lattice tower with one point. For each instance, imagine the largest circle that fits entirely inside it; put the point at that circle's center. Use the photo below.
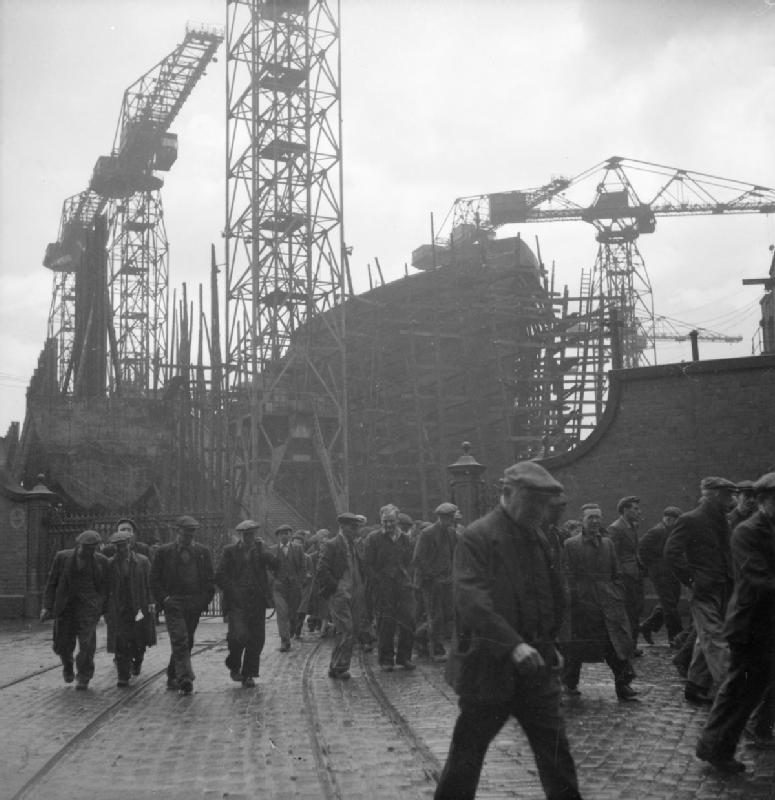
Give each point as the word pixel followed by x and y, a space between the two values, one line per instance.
pixel 284 243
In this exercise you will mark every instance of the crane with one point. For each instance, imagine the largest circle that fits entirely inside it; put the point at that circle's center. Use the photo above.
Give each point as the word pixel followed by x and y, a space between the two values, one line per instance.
pixel 109 299
pixel 614 321
pixel 627 197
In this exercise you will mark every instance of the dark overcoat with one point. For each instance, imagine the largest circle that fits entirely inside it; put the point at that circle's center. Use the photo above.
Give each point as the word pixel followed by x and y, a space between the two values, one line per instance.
pixel 751 611
pixel 332 564
pixel 497 563
pixel 230 570
pixel 596 597
pixel 140 599
pixel 434 553
pixel 58 592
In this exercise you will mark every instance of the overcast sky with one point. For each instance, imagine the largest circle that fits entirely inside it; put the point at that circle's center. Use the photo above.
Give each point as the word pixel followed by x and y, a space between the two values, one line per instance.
pixel 441 99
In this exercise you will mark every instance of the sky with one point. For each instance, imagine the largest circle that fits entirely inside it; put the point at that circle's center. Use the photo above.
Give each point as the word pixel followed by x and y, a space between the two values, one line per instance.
pixel 440 99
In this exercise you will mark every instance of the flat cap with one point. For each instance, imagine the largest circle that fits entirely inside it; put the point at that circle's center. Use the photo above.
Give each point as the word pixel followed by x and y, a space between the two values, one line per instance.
pixel 717 483
pixel 626 501
pixel 405 519
pixel 590 506
pixel 765 484
pixel 283 529
pixel 128 521
pixel 672 511
pixel 532 476
pixel 119 536
pixel 446 508
pixel 348 518
pixel 88 537
pixel 186 522
pixel 247 525
pixel 745 486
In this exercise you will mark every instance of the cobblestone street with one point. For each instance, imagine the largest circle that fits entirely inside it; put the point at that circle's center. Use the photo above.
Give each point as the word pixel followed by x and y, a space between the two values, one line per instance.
pixel 302 735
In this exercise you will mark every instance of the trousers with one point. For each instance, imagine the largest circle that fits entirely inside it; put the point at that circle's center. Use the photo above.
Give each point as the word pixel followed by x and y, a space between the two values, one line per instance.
pixel 536 708
pixel 182 616
pixel 245 639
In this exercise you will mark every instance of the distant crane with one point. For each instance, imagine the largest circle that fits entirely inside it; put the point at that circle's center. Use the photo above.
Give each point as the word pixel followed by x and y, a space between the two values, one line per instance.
pixel 109 301
pixel 614 324
pixel 627 197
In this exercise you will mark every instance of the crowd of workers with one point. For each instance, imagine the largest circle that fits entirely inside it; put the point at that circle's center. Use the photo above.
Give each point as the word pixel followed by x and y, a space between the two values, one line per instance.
pixel 514 604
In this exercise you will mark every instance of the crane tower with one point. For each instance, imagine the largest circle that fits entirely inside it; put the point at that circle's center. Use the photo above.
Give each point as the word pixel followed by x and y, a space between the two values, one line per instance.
pixel 284 246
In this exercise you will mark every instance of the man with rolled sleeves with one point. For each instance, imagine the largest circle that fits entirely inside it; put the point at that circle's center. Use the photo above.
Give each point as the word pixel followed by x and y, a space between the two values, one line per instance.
pixel 288 582
pixel 341 582
pixel 509 604
pixel 698 552
pixel 624 534
pixel 182 583
pixel 668 588
pixel 75 596
pixel 242 576
pixel 433 555
pixel 750 631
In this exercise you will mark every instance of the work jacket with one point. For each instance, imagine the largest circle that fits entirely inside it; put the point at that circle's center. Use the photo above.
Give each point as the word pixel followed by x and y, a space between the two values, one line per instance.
pixel 698 550
pixel 333 563
pixel 231 573
pixel 59 585
pixel 751 611
pixel 434 553
pixel 166 580
pixel 506 592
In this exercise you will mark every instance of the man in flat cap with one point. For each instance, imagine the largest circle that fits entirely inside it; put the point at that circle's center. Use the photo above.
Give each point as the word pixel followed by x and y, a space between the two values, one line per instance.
pixel 242 576
pixel 433 556
pixel 75 595
pixel 750 632
pixel 599 625
pixel 388 554
pixel 667 586
pixel 128 525
pixel 509 605
pixel 289 579
pixel 624 534
pixel 340 581
pixel 746 504
pixel 131 612
pixel 183 586
pixel 698 552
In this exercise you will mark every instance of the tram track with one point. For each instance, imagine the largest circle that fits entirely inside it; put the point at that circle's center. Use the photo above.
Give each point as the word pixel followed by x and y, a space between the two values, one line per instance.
pixel 103 717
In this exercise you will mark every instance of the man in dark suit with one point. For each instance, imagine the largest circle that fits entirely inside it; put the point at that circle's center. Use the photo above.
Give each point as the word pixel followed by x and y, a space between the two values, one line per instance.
pixel 131 612
pixel 289 579
pixel 341 582
pixel 509 603
pixel 182 583
pixel 750 631
pixel 698 552
pixel 433 554
pixel 243 579
pixel 75 596
pixel 623 532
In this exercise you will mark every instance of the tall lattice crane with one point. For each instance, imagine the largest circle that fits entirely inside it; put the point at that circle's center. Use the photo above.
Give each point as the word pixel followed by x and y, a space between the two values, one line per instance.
pixel 613 322
pixel 110 261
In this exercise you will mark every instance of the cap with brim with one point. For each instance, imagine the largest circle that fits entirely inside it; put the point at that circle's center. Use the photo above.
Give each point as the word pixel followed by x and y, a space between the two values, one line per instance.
pixel 765 484
pixel 717 483
pixel 186 522
pixel 348 518
pixel 745 486
pixel 446 508
pixel 672 511
pixel 88 537
pixel 626 501
pixel 120 536
pixel 532 476
pixel 128 521
pixel 404 519
pixel 283 529
pixel 247 525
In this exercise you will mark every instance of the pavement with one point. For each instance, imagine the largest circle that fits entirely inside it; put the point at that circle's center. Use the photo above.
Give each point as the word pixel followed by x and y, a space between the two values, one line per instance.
pixel 300 734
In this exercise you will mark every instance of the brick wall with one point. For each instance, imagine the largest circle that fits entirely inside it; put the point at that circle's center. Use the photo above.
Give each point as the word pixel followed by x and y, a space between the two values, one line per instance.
pixel 667 427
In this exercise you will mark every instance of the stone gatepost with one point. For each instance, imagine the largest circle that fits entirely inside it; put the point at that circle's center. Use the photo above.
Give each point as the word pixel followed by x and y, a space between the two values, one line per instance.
pixel 467 486
pixel 38 502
